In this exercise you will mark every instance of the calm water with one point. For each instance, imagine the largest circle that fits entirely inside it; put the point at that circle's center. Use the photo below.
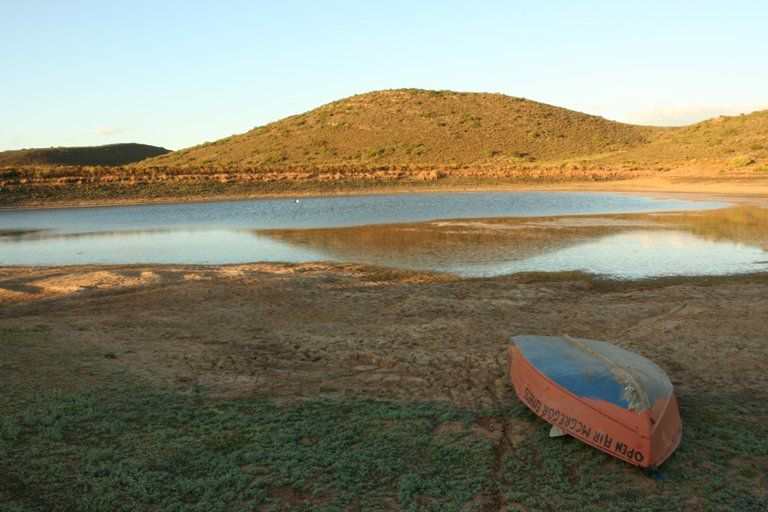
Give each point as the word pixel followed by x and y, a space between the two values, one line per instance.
pixel 335 211
pixel 501 233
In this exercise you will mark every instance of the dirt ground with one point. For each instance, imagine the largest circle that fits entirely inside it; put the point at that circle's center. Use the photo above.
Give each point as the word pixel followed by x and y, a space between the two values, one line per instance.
pixel 282 330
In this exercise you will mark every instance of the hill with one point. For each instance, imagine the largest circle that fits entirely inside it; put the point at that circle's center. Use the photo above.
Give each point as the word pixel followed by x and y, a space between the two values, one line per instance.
pixel 408 140
pixel 410 126
pixel 725 142
pixel 109 155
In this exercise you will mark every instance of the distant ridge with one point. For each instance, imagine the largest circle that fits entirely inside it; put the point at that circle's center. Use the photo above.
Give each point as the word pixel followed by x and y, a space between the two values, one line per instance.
pixel 109 155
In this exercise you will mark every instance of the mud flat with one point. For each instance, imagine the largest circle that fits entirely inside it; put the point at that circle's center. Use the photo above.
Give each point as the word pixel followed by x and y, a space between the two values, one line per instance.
pixel 276 329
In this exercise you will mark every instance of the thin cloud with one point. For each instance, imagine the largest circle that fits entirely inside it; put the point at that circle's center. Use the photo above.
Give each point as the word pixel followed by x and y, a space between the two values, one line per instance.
pixel 110 130
pixel 662 115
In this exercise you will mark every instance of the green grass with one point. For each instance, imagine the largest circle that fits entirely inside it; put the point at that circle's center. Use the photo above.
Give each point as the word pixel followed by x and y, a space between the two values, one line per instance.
pixel 722 461
pixel 121 444
pixel 131 447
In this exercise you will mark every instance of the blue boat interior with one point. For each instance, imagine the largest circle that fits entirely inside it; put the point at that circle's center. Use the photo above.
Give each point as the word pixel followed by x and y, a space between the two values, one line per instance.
pixel 590 376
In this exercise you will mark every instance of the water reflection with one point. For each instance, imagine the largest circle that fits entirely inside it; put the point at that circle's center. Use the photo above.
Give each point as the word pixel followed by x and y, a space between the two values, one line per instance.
pixel 633 245
pixel 642 254
pixel 450 245
pixel 727 241
pixel 182 246
pixel 744 224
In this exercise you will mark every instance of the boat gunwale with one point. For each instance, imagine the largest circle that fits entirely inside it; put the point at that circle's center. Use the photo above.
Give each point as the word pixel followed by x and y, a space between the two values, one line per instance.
pixel 581 400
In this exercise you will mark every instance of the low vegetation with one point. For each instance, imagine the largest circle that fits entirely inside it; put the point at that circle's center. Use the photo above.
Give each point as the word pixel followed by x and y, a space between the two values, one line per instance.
pixel 76 433
pixel 411 126
pixel 109 155
pixel 403 140
pixel 444 128
pixel 47 185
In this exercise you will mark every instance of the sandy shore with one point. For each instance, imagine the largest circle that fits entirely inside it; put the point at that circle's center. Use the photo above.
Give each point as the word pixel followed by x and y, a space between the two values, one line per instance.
pixel 277 329
pixel 748 189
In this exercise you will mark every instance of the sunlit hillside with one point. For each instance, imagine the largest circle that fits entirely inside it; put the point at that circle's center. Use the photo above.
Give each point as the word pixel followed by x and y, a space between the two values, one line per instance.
pixel 411 126
pixel 405 139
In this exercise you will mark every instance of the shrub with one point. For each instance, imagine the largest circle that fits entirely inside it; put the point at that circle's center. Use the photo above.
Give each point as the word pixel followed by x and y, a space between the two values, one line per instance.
pixel 374 153
pixel 742 161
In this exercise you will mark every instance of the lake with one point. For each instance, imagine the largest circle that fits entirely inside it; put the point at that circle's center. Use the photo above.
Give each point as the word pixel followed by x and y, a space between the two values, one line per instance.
pixel 469 234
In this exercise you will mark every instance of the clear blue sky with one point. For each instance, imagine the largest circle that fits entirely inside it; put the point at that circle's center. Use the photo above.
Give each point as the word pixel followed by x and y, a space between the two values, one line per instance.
pixel 180 73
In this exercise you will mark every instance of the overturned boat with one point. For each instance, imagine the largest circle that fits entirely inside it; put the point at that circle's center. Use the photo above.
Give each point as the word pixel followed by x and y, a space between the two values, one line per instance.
pixel 610 398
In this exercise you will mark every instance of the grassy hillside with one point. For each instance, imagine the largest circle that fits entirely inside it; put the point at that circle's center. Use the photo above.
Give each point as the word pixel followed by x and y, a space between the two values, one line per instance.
pixel 410 126
pixel 434 129
pixel 109 155
pixel 402 141
pixel 728 142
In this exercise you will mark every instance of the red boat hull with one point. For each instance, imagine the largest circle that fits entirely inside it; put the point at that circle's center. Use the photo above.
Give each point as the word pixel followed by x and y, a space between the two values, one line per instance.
pixel 645 438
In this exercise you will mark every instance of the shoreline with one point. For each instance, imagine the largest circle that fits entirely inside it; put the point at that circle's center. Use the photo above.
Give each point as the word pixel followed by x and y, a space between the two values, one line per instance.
pixel 726 190
pixel 92 349
pixel 144 275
